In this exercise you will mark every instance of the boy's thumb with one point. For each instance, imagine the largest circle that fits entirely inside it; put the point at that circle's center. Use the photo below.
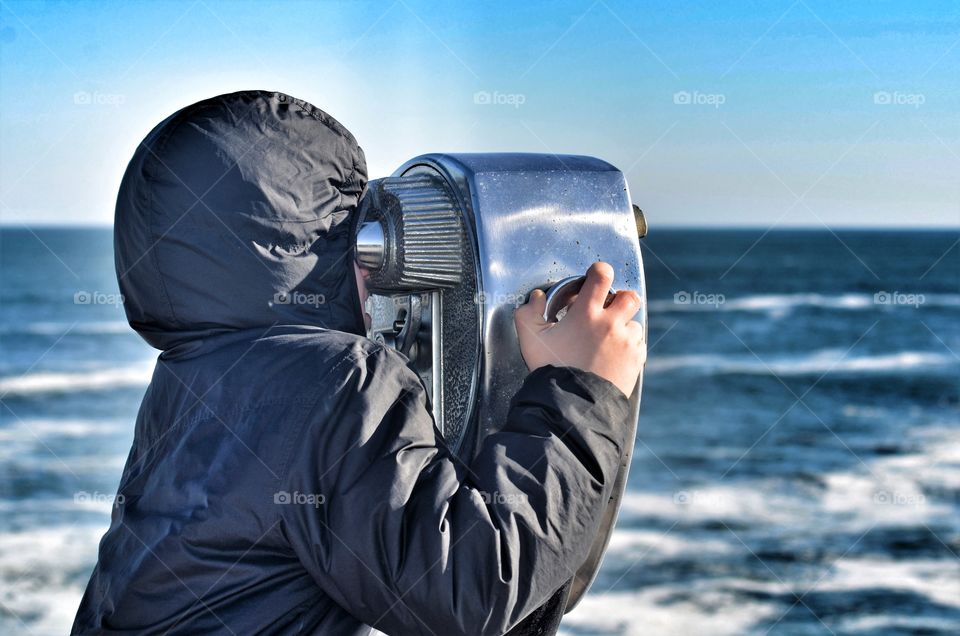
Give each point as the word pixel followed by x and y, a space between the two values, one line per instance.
pixel 530 315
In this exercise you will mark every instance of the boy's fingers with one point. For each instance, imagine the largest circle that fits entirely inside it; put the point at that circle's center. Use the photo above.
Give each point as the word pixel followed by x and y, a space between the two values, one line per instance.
pixel 625 303
pixel 595 287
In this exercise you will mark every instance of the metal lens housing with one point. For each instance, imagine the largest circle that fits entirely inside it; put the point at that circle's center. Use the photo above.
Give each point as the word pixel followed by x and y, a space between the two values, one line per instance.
pixel 413 235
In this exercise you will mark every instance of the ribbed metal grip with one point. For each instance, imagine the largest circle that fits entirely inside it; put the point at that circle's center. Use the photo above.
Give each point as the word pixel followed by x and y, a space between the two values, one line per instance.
pixel 422 235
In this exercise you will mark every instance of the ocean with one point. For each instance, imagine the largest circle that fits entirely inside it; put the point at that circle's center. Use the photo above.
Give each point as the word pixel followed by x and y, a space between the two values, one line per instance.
pixel 797 464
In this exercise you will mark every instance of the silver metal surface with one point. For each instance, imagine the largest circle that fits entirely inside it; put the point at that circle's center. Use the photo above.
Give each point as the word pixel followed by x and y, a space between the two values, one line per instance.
pixel 523 221
pixel 371 245
pixel 436 361
pixel 532 220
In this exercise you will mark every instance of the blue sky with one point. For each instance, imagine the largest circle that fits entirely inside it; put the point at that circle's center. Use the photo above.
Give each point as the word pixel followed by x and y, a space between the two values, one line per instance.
pixel 783 113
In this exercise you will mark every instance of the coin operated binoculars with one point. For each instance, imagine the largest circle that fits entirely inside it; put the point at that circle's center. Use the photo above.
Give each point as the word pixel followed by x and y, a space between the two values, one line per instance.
pixel 454 243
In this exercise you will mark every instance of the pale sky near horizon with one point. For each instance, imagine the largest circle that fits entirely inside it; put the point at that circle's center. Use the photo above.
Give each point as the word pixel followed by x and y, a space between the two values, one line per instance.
pixel 786 113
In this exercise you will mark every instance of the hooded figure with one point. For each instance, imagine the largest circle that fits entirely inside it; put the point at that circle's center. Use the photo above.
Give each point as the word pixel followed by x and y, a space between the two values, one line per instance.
pixel 286 476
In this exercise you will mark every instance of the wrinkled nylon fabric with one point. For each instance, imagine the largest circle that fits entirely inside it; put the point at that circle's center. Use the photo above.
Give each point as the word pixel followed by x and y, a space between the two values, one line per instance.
pixel 286 476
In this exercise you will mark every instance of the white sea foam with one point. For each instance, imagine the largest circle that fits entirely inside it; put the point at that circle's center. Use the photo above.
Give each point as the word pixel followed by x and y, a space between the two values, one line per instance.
pixel 719 606
pixel 35 443
pixel 82 500
pixel 831 361
pixel 29 430
pixel 885 624
pixel 936 579
pixel 92 465
pixel 760 503
pixel 657 610
pixel 937 466
pixel 876 498
pixel 651 612
pixel 43 460
pixel 105 327
pixel 894 490
pixel 782 303
pixel 65 382
pixel 890 490
pixel 652 545
pixel 848 503
pixel 36 567
pixel 863 411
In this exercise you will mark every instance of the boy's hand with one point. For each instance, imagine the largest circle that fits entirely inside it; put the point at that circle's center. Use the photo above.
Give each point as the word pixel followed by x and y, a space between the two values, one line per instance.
pixel 606 341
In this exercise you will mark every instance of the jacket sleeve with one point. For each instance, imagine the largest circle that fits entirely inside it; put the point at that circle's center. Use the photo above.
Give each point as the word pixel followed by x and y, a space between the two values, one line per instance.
pixel 410 540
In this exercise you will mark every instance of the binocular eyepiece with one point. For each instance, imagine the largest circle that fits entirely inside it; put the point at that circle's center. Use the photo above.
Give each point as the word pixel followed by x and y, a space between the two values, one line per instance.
pixel 411 237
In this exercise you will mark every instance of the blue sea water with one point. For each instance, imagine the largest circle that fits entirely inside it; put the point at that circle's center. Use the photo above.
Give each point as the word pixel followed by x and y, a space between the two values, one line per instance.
pixel 797 465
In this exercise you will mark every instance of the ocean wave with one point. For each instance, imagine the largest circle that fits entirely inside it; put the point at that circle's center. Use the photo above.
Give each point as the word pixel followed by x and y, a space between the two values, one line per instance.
pixel 897 490
pixel 60 508
pixel 37 569
pixel 106 327
pixel 832 361
pixel 30 430
pixel 863 411
pixel 656 611
pixel 935 579
pixel 782 303
pixel 67 382
pixel 750 604
pixel 932 578
pixel 903 624
pixel 47 464
pixel 759 503
pixel 653 545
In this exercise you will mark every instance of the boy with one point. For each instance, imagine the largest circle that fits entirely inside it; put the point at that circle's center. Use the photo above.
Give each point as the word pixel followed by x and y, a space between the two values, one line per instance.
pixel 285 475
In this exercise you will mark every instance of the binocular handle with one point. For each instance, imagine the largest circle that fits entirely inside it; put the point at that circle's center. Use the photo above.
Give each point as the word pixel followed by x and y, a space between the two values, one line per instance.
pixel 560 295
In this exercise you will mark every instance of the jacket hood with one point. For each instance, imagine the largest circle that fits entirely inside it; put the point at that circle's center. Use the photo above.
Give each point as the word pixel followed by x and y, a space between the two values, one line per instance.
pixel 238 212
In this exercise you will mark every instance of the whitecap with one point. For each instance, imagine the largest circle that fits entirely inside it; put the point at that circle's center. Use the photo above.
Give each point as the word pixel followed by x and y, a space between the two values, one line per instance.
pixel 935 579
pixel 36 567
pixel 65 382
pixel 105 327
pixel 29 430
pixel 654 545
pixel 833 361
pixel 780 303
pixel 897 490
pixel 651 611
